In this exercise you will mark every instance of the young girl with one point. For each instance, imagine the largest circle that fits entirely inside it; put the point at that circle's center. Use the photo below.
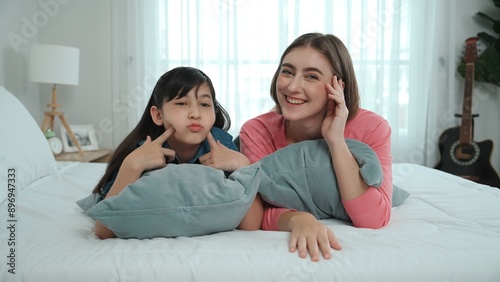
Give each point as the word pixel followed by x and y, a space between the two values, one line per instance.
pixel 316 96
pixel 182 123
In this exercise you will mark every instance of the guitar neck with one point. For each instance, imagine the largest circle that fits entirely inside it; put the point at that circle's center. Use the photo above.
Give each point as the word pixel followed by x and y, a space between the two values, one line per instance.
pixel 466 126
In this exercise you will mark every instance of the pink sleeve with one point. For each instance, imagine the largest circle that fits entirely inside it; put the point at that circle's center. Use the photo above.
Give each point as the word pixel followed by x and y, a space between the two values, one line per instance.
pixel 250 149
pixel 271 217
pixel 373 208
pixel 262 135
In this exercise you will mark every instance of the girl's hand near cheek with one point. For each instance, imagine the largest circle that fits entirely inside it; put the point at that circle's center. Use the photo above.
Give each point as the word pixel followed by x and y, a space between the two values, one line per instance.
pixel 151 154
pixel 335 120
pixel 221 157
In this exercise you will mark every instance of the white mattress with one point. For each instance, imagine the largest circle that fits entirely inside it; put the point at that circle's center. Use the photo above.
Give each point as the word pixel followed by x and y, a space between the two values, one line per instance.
pixel 447 230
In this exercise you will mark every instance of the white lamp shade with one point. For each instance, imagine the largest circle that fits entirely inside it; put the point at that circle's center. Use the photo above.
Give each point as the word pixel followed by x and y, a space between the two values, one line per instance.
pixel 54 64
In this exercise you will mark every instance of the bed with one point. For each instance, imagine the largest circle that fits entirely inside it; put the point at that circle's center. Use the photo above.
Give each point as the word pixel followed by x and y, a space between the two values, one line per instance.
pixel 448 229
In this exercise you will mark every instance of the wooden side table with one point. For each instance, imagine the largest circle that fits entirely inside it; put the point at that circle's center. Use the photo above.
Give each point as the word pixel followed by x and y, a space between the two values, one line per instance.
pixel 97 156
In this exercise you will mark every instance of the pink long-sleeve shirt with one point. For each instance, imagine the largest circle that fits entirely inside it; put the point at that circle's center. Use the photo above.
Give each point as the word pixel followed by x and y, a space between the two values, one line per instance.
pixel 265 134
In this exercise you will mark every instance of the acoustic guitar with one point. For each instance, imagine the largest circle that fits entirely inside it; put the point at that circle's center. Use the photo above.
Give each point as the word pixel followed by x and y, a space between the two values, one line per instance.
pixel 460 155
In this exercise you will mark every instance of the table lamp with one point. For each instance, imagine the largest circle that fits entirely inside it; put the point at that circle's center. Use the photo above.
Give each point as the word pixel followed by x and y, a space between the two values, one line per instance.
pixel 55 64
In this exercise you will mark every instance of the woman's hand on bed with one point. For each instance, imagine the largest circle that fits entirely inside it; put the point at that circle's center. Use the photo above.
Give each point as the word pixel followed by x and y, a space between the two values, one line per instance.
pixel 221 157
pixel 308 234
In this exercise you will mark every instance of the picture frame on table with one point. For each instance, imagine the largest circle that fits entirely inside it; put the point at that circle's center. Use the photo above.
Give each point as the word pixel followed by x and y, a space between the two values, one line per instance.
pixel 85 135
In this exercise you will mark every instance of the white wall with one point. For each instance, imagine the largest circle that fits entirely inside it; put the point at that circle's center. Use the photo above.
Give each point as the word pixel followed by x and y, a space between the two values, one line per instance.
pixel 87 24
pixel 13 57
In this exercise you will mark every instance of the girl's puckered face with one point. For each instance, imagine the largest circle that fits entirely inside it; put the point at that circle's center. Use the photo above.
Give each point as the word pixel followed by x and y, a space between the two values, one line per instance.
pixel 192 116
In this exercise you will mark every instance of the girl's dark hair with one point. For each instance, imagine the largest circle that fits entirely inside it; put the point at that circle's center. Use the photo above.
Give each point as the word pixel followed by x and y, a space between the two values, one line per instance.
pixel 174 84
pixel 337 54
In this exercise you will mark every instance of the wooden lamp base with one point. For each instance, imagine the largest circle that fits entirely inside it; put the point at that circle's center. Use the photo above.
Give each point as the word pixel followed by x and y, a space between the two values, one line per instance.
pixel 48 122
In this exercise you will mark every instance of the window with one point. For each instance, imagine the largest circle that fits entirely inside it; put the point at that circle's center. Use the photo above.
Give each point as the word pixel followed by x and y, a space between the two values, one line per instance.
pixel 239 43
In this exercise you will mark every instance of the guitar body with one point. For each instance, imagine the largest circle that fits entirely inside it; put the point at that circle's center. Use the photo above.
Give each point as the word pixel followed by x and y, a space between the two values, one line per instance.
pixel 471 161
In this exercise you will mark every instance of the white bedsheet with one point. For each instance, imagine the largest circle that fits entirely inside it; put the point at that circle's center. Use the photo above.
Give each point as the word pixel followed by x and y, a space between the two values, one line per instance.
pixel 447 230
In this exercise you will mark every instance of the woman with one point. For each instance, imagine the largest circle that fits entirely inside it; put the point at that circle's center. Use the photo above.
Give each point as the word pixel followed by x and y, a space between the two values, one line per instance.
pixel 316 96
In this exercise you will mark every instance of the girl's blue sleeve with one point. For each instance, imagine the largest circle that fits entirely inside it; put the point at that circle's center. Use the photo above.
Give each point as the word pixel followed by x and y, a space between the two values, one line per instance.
pixel 225 138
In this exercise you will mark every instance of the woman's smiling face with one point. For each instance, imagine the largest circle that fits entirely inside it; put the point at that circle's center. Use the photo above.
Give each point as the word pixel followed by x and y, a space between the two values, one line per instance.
pixel 301 84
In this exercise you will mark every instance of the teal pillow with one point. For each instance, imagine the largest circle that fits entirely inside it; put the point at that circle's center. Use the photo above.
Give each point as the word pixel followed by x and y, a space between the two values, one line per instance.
pixel 191 200
pixel 88 202
pixel 179 200
pixel 399 195
pixel 301 176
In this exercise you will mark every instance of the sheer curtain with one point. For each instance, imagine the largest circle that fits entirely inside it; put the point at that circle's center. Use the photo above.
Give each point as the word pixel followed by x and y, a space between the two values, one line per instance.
pixel 398 48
